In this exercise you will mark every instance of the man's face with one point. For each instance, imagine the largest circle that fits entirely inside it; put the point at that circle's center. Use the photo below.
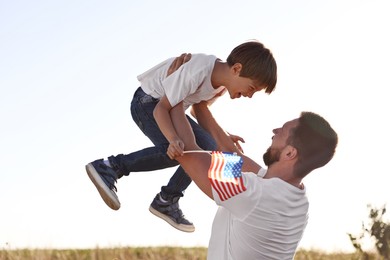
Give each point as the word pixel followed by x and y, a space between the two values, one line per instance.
pixel 279 142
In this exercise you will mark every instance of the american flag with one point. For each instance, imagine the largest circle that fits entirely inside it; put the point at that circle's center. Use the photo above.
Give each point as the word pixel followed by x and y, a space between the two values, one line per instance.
pixel 225 174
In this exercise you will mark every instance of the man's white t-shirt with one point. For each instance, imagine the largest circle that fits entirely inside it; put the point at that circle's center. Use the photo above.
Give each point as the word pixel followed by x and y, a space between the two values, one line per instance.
pixel 265 221
pixel 191 83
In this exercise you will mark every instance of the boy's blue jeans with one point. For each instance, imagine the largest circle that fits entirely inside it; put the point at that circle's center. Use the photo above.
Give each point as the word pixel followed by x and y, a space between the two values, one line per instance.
pixel 155 157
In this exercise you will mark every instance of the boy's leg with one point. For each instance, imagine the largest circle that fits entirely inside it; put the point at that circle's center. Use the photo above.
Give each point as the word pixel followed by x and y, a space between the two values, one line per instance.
pixel 104 174
pixel 151 158
pixel 176 186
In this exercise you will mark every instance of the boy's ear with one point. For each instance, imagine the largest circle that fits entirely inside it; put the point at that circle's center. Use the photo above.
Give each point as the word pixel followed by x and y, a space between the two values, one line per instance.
pixel 236 68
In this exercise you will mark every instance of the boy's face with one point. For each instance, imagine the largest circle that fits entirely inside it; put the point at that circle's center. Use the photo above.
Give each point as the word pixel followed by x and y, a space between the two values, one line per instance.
pixel 240 86
pixel 243 87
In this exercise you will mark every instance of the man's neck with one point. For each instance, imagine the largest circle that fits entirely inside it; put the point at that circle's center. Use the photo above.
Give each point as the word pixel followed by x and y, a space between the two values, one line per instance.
pixel 285 175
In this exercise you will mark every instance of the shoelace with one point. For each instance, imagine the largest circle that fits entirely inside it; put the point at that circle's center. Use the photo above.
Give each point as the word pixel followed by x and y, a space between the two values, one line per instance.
pixel 108 178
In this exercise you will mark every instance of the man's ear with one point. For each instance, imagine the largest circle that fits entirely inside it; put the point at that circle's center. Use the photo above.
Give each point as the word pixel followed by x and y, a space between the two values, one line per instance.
pixel 289 152
pixel 236 68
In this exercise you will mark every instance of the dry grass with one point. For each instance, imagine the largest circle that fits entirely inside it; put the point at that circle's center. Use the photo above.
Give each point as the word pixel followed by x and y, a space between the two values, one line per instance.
pixel 150 253
pixel 147 253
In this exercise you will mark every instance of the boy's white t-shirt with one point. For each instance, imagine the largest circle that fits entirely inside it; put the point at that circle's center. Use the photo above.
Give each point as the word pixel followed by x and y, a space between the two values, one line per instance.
pixel 191 83
pixel 266 221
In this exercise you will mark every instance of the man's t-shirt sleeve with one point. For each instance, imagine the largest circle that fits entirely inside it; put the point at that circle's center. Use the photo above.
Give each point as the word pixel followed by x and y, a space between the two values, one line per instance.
pixel 241 203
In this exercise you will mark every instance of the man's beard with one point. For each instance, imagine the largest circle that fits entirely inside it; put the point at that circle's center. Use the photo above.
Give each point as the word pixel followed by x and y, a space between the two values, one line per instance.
pixel 271 156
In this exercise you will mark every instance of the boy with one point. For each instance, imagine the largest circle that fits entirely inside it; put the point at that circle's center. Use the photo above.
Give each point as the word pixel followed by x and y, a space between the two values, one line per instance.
pixel 249 68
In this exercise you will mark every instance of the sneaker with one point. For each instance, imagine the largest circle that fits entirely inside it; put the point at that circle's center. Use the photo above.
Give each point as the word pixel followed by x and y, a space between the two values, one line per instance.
pixel 171 213
pixel 104 179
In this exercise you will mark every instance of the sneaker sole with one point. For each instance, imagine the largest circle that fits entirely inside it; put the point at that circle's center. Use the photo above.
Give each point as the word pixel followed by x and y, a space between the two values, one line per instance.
pixel 109 197
pixel 181 227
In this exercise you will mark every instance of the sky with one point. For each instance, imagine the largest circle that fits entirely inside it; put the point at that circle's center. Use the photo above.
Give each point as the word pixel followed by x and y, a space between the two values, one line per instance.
pixel 67 74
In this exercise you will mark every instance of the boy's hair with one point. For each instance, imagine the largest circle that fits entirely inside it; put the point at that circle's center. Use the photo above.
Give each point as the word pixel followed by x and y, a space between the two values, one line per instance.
pixel 315 141
pixel 257 62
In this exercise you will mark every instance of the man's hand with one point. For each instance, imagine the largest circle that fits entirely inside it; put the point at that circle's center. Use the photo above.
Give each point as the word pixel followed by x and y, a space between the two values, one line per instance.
pixel 178 62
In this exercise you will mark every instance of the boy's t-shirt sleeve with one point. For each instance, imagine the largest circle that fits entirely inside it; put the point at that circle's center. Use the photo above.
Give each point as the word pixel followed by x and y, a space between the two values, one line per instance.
pixel 188 78
pixel 180 85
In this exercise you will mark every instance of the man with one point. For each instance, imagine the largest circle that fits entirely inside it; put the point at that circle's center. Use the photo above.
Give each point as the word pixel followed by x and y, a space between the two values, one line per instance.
pixel 262 213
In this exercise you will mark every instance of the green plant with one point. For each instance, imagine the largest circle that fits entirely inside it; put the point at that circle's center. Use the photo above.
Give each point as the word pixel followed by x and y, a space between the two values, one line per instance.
pixel 377 229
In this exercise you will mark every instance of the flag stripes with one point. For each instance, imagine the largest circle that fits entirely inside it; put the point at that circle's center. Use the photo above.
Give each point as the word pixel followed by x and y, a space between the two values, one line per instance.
pixel 225 174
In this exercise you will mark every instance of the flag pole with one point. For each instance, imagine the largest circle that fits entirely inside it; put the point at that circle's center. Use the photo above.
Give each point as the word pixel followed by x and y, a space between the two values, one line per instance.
pixel 203 151
pixel 197 151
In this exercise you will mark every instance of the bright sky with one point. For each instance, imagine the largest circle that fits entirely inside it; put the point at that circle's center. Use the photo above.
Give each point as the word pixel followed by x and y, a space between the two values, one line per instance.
pixel 67 74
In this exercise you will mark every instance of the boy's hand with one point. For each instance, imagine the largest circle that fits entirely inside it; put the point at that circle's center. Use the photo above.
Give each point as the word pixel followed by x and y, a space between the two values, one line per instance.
pixel 236 139
pixel 175 149
pixel 178 62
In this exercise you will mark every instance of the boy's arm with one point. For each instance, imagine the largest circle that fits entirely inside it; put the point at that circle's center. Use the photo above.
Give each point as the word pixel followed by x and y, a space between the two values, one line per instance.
pixel 196 164
pixel 162 116
pixel 206 123
pixel 225 143
pixel 205 118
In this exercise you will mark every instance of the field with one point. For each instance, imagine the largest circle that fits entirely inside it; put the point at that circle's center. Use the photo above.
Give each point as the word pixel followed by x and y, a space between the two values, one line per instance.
pixel 150 253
